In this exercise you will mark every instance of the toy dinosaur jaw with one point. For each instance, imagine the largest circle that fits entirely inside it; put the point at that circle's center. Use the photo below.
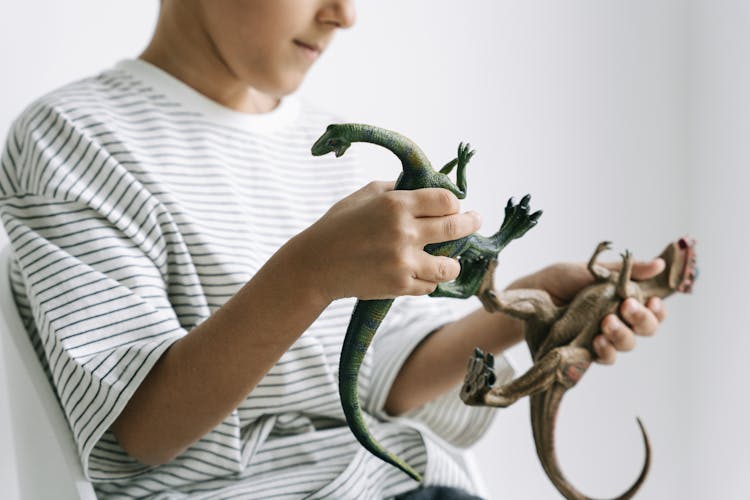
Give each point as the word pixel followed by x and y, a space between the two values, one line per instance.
pixel 681 270
pixel 689 273
pixel 340 149
pixel 331 141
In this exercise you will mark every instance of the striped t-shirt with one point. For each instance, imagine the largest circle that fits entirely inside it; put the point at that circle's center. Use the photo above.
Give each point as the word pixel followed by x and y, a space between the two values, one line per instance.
pixel 135 208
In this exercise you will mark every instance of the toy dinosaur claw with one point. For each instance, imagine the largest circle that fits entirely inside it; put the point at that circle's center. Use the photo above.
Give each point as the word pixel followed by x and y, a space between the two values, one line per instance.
pixel 480 376
pixel 465 153
pixel 517 219
pixel 602 246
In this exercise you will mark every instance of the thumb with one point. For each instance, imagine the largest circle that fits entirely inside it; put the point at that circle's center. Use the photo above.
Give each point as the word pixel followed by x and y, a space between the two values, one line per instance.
pixel 643 270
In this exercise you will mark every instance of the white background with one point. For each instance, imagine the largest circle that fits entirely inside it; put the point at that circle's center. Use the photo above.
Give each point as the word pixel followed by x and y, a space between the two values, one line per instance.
pixel 625 120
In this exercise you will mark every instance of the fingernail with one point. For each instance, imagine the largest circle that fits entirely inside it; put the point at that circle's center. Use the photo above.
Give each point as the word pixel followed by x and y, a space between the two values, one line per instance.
pixel 660 264
pixel 629 307
pixel 654 304
pixel 610 325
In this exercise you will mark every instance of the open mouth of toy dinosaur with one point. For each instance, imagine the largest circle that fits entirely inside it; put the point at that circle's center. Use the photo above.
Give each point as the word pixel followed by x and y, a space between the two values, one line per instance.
pixel 689 269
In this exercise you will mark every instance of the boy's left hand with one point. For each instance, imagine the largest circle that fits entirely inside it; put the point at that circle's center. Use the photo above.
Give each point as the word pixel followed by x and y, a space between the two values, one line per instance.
pixel 563 281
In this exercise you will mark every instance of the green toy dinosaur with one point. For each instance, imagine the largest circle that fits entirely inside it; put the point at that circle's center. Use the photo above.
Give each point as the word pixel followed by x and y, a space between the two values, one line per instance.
pixel 475 254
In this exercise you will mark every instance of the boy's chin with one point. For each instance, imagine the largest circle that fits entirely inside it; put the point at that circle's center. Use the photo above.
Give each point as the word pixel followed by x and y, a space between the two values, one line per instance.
pixel 291 84
pixel 290 81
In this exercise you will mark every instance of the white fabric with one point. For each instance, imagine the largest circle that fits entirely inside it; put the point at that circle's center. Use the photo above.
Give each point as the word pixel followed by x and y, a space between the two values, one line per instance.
pixel 135 208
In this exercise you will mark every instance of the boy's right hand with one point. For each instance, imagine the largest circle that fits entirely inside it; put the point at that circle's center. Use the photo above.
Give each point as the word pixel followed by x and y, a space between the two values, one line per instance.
pixel 370 245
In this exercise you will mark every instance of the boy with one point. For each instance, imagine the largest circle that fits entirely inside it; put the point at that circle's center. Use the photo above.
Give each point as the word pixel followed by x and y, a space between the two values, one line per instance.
pixel 180 256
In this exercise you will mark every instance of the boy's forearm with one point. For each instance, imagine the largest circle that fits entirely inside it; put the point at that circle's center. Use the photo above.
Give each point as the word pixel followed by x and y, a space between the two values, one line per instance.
pixel 205 375
pixel 439 363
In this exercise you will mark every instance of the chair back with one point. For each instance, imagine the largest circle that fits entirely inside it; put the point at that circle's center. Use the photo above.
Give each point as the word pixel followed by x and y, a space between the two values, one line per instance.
pixel 46 460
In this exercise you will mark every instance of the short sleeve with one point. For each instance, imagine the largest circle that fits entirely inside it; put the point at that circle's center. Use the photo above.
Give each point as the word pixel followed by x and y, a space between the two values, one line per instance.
pixel 92 253
pixel 410 321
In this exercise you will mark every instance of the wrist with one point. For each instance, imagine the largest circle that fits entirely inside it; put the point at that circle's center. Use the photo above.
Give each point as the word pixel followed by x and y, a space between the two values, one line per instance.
pixel 307 277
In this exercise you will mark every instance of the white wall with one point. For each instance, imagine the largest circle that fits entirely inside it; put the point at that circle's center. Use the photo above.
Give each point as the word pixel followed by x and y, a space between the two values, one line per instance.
pixel 618 118
pixel 715 389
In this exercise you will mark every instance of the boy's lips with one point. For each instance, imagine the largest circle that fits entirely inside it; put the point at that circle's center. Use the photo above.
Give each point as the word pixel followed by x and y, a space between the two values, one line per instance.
pixel 312 50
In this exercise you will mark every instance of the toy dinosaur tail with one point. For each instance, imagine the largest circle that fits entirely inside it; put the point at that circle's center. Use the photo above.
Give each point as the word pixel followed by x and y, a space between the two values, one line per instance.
pixel 367 316
pixel 547 403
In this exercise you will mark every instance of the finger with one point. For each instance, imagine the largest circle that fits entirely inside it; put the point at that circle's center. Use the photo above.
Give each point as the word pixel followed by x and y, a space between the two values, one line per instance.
pixel 643 270
pixel 657 307
pixel 420 287
pixel 641 319
pixel 447 228
pixel 436 269
pixel 606 353
pixel 618 333
pixel 432 202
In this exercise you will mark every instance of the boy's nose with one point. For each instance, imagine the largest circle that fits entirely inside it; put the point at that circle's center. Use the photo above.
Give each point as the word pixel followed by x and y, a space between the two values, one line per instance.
pixel 339 13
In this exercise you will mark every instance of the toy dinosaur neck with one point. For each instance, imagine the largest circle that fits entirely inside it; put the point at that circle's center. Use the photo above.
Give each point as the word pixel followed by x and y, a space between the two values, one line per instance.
pixel 411 156
pixel 658 286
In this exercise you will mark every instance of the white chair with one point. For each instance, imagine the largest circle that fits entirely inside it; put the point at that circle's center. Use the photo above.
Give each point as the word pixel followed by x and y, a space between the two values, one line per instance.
pixel 46 460
pixel 468 459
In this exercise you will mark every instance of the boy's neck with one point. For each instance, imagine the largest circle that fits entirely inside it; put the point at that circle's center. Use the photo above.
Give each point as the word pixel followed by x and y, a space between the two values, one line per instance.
pixel 188 56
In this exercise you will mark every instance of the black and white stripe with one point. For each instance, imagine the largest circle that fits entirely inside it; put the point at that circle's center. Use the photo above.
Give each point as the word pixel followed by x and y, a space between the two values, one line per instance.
pixel 135 208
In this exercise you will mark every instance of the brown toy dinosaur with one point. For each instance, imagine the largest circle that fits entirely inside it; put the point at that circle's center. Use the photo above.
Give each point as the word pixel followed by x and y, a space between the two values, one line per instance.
pixel 560 340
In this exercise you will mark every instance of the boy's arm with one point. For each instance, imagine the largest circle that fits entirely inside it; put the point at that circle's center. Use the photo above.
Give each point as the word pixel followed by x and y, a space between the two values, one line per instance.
pixel 206 374
pixel 438 364
pixel 368 245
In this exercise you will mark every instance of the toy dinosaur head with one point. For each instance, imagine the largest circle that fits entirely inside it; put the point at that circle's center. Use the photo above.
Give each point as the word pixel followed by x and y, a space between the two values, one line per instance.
pixel 333 139
pixel 681 270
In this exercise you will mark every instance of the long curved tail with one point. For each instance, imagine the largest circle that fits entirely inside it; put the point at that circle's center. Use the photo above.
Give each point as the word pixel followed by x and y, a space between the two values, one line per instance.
pixel 367 316
pixel 544 408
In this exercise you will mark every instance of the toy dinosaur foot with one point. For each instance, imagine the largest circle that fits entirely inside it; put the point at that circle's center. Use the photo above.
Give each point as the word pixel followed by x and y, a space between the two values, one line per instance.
pixel 462 159
pixel 486 292
pixel 464 154
pixel 480 376
pixel 488 298
pixel 603 246
pixel 518 220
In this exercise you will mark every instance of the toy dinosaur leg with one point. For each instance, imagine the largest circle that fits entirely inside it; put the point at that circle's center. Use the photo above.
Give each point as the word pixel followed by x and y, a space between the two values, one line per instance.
pixel 449 166
pixel 522 304
pixel 464 155
pixel 452 290
pixel 598 272
pixel 453 248
pixel 486 292
pixel 563 365
pixel 479 379
pixel 479 254
pixel 469 280
pixel 625 273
